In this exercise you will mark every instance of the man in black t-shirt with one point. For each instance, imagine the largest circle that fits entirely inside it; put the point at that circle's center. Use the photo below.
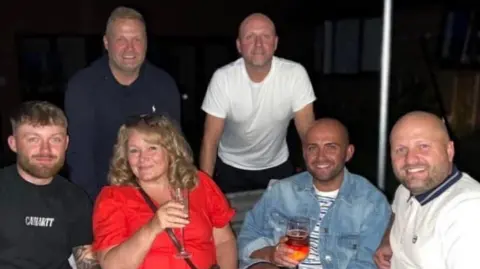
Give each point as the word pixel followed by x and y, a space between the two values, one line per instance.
pixel 45 218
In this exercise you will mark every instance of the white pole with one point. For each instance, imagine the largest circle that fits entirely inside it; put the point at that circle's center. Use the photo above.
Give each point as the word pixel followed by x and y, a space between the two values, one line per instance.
pixel 384 88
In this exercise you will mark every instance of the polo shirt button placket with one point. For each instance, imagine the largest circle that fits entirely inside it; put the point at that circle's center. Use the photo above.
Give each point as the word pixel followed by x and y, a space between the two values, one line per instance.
pixel 410 220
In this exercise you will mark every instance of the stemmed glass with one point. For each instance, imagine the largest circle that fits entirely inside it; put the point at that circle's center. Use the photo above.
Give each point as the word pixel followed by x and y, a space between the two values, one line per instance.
pixel 180 195
pixel 298 238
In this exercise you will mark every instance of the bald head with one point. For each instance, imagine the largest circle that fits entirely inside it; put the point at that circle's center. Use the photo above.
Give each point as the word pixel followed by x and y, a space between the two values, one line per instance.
pixel 255 19
pixel 257 42
pixel 421 121
pixel 329 125
pixel 326 149
pixel 421 151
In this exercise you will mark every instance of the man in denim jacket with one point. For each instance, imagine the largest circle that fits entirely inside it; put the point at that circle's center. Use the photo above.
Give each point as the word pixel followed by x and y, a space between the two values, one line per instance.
pixel 347 214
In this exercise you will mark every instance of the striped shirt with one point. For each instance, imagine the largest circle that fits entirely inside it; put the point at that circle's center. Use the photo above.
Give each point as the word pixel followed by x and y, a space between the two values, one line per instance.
pixel 325 200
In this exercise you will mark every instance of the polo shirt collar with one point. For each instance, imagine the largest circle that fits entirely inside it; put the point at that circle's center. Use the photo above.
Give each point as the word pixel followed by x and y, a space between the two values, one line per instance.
pixel 430 195
pixel 107 72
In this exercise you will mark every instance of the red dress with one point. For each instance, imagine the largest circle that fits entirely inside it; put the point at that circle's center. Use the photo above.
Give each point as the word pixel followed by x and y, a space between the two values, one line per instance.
pixel 121 210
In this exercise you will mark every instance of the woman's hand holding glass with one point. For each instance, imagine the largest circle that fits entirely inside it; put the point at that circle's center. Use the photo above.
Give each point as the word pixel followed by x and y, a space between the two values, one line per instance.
pixel 180 195
pixel 170 215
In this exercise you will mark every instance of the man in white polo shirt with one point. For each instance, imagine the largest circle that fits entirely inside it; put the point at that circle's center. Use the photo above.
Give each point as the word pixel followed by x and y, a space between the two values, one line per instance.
pixel 436 223
pixel 249 105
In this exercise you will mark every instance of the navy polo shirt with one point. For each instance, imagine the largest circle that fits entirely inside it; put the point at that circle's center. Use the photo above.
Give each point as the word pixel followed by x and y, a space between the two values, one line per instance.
pixel 97 105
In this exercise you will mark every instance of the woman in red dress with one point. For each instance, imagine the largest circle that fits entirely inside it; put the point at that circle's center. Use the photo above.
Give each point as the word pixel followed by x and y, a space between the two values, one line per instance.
pixel 152 154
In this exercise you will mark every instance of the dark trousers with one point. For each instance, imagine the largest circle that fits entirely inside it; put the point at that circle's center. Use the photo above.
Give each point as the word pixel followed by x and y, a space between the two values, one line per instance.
pixel 231 179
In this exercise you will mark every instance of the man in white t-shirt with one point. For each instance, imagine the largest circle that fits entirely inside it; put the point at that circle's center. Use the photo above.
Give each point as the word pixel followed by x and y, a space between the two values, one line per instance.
pixel 249 104
pixel 436 221
pixel 347 214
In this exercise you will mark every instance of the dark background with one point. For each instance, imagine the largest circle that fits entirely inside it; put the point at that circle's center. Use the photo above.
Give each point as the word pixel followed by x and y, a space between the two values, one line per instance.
pixel 433 68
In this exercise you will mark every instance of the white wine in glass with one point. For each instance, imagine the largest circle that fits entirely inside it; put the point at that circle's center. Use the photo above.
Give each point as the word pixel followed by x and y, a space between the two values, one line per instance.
pixel 180 195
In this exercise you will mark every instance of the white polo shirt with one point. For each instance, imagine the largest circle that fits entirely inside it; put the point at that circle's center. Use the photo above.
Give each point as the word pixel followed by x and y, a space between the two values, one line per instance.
pixel 257 115
pixel 439 229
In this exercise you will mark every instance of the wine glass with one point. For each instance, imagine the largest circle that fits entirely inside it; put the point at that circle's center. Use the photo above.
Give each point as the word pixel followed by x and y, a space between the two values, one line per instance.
pixel 180 195
pixel 298 238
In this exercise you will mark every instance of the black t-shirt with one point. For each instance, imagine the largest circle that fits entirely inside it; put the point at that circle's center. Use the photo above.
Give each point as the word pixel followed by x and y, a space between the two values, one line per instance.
pixel 40 225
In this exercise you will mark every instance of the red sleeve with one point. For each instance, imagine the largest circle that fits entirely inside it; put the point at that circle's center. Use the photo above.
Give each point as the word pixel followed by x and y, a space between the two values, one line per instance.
pixel 218 208
pixel 109 221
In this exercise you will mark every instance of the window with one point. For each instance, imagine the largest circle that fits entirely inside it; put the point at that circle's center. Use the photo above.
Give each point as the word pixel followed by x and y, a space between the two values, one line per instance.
pixel 348 46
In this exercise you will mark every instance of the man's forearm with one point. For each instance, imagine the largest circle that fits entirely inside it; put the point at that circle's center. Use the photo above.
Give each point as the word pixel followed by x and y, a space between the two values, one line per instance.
pixel 302 129
pixel 85 258
pixel 386 235
pixel 208 156
pixel 263 253
pixel 263 265
pixel 304 120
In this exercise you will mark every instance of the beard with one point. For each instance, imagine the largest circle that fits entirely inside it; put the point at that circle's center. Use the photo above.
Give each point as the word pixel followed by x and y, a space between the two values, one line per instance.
pixel 418 185
pixel 40 171
pixel 259 62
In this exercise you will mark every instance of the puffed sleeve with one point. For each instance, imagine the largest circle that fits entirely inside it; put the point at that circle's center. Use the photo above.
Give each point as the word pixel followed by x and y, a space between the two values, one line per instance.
pixel 218 208
pixel 109 220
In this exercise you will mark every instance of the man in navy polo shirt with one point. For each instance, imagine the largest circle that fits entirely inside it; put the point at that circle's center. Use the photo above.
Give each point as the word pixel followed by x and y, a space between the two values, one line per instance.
pixel 100 97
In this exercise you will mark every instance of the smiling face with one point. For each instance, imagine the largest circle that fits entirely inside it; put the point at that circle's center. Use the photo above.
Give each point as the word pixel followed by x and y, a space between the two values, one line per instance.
pixel 326 150
pixel 148 160
pixel 40 151
pixel 126 43
pixel 421 152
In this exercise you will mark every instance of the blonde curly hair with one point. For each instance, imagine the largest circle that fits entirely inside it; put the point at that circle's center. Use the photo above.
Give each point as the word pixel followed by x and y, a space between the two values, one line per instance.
pixel 161 131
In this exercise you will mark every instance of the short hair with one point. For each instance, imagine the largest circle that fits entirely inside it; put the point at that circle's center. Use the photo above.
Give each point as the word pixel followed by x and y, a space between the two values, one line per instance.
pixel 38 113
pixel 124 13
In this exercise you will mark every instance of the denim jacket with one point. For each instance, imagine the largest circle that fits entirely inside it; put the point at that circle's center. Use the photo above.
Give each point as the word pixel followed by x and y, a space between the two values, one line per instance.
pixel 350 231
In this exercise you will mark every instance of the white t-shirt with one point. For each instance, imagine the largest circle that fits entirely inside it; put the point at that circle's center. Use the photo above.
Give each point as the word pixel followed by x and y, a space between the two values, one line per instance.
pixel 439 229
pixel 257 115
pixel 325 200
